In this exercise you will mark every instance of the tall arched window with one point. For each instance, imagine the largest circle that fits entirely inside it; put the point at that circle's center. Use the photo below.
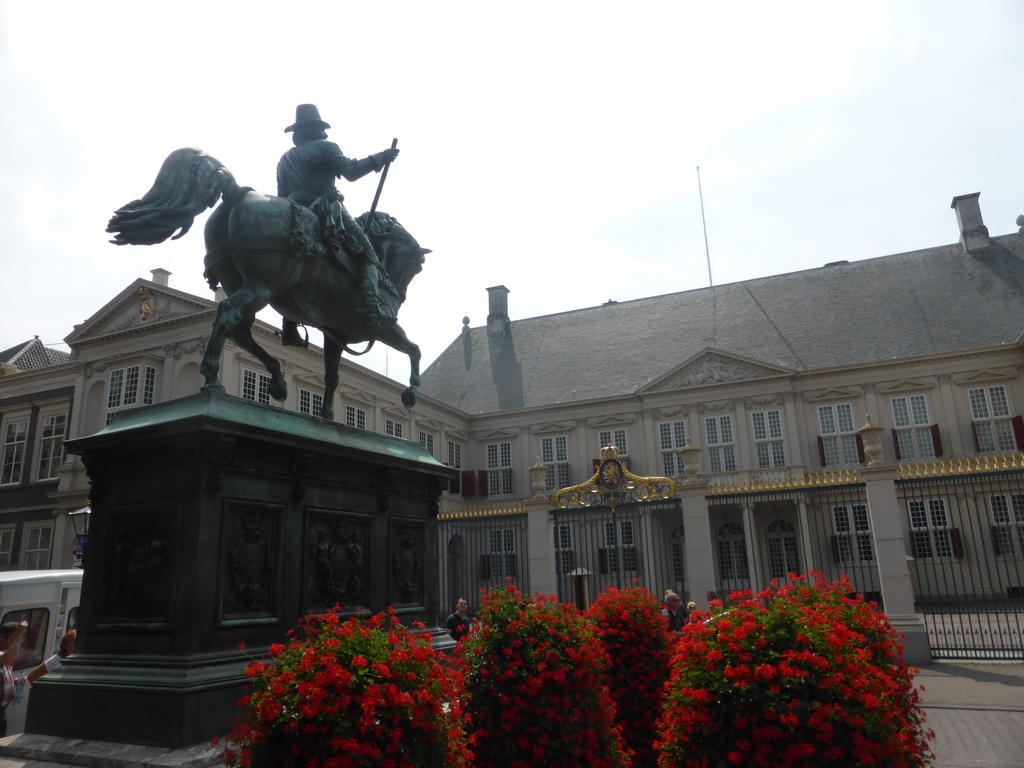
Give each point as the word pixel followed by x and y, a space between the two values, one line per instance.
pixel 783 558
pixel 732 558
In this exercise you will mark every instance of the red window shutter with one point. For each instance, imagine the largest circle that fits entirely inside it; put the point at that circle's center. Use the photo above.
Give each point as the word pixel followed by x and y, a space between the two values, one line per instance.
pixel 454 486
pixel 602 558
pixel 821 450
pixel 936 440
pixel 974 434
pixel 468 483
pixel 835 549
pixel 956 543
pixel 997 543
pixel 485 566
pixel 896 444
pixel 481 485
pixel 1018 431
pixel 860 448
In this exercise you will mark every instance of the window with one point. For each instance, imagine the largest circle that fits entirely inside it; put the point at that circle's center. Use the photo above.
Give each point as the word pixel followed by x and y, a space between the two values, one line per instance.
pixel 310 403
pixel 851 541
pixel 355 417
pixel 129 387
pixel 454 455
pixel 37 546
pixel 393 428
pixel 499 469
pixel 679 555
pixel 732 557
pixel 619 554
pixel 554 454
pixel 671 437
pixel 1007 523
pixel 913 432
pixel 51 446
pixel 931 535
pixel 565 555
pixel 768 439
pixel 838 442
pixel 255 386
pixel 500 563
pixel 616 437
pixel 427 441
pixel 783 558
pixel 7 545
pixel 718 435
pixel 991 420
pixel 15 435
pixel 33 642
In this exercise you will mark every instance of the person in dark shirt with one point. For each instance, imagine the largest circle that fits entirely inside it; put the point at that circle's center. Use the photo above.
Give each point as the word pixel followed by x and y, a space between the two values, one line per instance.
pixel 458 624
pixel 674 613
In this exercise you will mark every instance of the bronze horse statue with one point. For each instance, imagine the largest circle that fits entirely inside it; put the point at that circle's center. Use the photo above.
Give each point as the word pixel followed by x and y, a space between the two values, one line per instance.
pixel 267 250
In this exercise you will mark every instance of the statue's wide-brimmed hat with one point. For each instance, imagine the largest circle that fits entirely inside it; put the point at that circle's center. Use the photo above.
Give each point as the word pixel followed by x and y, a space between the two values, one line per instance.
pixel 307 116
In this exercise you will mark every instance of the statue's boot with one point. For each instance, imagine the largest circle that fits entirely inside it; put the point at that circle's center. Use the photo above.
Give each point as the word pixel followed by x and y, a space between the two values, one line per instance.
pixel 290 335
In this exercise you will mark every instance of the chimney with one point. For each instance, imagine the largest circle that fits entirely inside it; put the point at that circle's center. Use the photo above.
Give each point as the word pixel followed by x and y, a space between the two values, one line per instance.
pixel 497 312
pixel 973 232
pixel 160 276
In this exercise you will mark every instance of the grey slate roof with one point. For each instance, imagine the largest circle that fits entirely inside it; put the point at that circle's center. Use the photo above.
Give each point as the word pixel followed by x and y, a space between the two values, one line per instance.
pixel 32 354
pixel 924 302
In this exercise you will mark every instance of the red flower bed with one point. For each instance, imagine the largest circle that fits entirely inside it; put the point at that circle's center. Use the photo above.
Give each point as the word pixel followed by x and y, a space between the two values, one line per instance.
pixel 350 694
pixel 634 635
pixel 805 675
pixel 535 692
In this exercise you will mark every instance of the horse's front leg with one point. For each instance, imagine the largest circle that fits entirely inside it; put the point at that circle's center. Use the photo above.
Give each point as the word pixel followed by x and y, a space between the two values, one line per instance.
pixel 393 335
pixel 235 316
pixel 332 360
pixel 210 365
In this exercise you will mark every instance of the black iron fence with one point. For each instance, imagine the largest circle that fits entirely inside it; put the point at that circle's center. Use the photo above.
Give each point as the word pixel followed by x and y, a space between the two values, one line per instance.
pixel 636 544
pixel 478 553
pixel 966 541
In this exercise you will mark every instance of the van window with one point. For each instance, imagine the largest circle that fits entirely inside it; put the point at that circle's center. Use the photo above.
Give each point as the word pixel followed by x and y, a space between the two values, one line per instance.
pixel 34 640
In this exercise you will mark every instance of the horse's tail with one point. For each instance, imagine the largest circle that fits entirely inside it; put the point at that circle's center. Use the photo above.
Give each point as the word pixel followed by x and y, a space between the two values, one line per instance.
pixel 189 182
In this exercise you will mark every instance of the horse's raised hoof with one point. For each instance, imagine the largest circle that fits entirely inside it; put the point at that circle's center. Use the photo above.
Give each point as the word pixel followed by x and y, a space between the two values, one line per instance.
pixel 410 396
pixel 278 388
pixel 327 413
pixel 213 386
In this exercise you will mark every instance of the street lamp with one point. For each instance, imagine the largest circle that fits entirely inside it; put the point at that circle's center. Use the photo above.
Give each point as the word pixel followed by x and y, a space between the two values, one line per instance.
pixel 80 522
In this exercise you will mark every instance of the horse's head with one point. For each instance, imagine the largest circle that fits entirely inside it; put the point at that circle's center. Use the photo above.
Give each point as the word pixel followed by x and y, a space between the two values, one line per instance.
pixel 399 252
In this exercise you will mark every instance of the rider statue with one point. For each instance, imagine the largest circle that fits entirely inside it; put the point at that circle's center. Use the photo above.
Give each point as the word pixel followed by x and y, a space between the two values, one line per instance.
pixel 306 174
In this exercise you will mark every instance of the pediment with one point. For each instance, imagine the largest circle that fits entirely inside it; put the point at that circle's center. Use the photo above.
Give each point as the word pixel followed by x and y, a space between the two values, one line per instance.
pixel 600 422
pixel 141 306
pixel 496 434
pixel 835 393
pixel 398 411
pixel 905 385
pixel 356 397
pixel 985 377
pixel 431 424
pixel 710 368
pixel 553 427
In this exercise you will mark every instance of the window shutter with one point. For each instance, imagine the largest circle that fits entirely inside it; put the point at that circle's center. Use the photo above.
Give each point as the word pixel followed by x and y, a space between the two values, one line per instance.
pixel 821 450
pixel 512 569
pixel 1018 431
pixel 602 558
pixel 481 485
pixel 997 543
pixel 860 448
pixel 974 434
pixel 485 566
pixel 468 483
pixel 956 543
pixel 454 486
pixel 896 444
pixel 835 548
pixel 936 440
pixel 913 546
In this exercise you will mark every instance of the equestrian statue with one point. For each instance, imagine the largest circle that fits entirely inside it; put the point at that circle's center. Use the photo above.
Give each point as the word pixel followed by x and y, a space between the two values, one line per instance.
pixel 301 252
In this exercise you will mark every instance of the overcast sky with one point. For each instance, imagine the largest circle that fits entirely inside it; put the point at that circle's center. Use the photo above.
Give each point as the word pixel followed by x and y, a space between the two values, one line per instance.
pixel 550 147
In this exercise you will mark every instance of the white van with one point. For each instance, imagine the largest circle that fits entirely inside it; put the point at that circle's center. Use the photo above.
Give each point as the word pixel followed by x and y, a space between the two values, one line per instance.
pixel 48 601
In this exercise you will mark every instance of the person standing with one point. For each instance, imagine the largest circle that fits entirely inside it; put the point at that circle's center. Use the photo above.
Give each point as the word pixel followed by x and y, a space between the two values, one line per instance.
pixel 459 624
pixel 673 613
pixel 11 634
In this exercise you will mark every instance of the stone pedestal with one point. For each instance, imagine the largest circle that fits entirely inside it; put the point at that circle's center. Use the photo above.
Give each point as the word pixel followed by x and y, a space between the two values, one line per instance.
pixel 218 521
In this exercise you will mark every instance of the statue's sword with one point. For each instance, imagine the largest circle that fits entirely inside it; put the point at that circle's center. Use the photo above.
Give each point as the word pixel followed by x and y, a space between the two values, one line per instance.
pixel 380 184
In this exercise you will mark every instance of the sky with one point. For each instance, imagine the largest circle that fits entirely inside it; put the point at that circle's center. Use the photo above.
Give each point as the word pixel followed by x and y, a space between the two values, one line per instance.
pixel 550 147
